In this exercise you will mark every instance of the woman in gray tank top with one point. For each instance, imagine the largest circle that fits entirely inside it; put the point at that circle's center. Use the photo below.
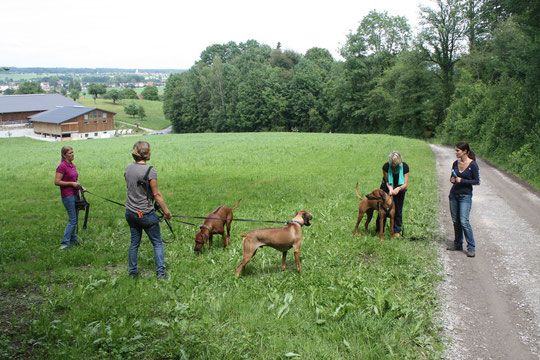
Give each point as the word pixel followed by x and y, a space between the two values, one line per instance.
pixel 142 190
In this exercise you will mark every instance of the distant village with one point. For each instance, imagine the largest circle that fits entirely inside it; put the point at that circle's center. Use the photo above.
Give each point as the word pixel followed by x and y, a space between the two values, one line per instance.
pixel 62 83
pixel 42 103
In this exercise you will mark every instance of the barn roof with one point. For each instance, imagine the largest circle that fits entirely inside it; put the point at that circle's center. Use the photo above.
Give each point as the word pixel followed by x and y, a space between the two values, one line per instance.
pixel 62 114
pixel 34 102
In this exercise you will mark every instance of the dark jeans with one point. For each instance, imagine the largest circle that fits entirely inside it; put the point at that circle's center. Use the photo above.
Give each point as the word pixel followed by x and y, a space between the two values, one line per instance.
pixel 150 224
pixel 399 199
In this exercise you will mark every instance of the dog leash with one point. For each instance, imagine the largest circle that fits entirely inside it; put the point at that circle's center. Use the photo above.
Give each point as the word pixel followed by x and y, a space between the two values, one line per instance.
pixel 249 220
pixel 104 198
pixel 194 217
pixel 157 208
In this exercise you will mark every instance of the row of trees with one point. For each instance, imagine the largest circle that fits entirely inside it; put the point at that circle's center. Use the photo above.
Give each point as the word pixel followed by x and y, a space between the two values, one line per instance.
pixel 148 93
pixel 94 89
pixel 470 74
pixel 111 79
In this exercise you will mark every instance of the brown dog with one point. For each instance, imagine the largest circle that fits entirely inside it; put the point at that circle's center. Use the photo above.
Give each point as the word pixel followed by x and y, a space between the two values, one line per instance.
pixel 281 239
pixel 376 200
pixel 216 225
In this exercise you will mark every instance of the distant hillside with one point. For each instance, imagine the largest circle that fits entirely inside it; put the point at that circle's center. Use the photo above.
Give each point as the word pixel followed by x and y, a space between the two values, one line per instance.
pixel 63 70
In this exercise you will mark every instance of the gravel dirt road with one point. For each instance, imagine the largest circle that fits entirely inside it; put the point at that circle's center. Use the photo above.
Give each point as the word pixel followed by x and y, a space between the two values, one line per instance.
pixel 491 303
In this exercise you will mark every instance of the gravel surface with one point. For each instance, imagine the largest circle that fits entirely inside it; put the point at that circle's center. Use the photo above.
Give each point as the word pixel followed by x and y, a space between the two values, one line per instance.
pixel 491 303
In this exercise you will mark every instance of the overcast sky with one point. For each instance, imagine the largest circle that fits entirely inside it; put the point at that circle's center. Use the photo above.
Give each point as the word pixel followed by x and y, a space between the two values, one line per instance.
pixel 167 34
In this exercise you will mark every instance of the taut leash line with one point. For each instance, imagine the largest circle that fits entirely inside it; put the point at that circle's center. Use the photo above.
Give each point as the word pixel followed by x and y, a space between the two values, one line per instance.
pixel 157 208
pixel 104 198
pixel 212 218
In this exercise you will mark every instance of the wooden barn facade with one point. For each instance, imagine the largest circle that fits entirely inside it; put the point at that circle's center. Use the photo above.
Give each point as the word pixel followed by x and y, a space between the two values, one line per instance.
pixel 74 123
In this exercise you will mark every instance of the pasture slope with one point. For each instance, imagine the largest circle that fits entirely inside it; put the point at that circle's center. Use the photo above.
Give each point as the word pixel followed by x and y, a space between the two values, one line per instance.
pixel 357 298
pixel 155 119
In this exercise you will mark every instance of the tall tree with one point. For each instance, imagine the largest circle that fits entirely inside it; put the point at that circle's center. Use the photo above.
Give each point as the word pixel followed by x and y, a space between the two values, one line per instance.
pixel 225 52
pixel 378 32
pixel 131 109
pixel 96 89
pixel 141 113
pixel 115 95
pixel 150 93
pixel 74 94
pixel 441 40
pixel 129 94
pixel 29 87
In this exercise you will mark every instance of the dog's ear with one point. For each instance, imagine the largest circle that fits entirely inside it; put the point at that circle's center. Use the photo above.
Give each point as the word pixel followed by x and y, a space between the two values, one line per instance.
pixel 371 196
pixel 383 195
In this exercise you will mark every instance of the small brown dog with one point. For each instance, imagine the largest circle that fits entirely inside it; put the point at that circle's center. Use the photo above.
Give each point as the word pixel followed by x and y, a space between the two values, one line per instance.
pixel 216 225
pixel 281 239
pixel 376 200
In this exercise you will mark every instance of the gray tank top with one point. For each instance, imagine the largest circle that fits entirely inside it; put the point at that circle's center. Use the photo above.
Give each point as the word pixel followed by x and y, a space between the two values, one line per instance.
pixel 137 198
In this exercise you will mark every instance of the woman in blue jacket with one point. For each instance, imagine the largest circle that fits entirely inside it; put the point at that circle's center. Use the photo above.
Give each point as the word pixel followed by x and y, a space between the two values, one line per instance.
pixel 465 174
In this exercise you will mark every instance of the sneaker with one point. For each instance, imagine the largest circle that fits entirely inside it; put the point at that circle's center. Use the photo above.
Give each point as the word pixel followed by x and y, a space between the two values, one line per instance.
pixel 453 247
pixel 470 253
pixel 164 276
pixel 63 247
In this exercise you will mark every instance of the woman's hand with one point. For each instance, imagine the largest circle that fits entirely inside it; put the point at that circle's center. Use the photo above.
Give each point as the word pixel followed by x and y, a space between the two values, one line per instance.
pixel 458 179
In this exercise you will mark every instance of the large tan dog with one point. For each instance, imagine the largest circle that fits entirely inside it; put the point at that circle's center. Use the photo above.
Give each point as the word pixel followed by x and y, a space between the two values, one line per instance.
pixel 220 217
pixel 281 239
pixel 376 200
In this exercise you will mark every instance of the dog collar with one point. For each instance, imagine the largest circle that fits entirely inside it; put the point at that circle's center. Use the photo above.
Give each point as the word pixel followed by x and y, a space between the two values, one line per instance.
pixel 206 227
pixel 294 221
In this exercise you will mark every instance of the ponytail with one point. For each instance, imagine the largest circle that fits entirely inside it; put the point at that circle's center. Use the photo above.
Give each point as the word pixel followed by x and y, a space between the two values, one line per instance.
pixel 465 147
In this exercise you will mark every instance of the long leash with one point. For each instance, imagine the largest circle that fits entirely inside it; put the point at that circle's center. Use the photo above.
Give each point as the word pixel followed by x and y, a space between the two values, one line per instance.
pixel 213 218
pixel 157 208
pixel 160 211
pixel 104 198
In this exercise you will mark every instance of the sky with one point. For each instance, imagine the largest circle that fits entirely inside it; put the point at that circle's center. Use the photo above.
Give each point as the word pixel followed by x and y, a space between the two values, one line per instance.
pixel 167 34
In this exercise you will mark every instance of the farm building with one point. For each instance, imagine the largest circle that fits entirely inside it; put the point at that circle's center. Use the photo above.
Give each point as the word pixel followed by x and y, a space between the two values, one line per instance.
pixel 15 109
pixel 74 122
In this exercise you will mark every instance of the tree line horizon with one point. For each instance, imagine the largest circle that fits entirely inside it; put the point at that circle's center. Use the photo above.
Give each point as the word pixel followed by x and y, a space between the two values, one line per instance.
pixel 471 74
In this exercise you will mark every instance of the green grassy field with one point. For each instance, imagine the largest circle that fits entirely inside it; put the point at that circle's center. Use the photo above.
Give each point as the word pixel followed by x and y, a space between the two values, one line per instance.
pixel 161 90
pixel 356 298
pixel 26 76
pixel 154 112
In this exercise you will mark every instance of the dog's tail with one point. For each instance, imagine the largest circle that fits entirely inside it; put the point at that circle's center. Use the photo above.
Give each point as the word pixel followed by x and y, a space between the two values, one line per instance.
pixel 357 194
pixel 235 206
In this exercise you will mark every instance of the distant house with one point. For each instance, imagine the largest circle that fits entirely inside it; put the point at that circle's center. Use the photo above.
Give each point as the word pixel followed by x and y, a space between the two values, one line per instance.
pixel 74 122
pixel 17 108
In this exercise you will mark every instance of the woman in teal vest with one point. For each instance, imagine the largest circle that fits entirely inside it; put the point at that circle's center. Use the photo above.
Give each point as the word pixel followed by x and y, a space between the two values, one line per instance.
pixel 395 182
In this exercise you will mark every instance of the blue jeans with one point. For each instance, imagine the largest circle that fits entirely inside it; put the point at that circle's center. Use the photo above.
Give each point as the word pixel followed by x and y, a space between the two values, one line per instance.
pixel 460 208
pixel 70 231
pixel 150 224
